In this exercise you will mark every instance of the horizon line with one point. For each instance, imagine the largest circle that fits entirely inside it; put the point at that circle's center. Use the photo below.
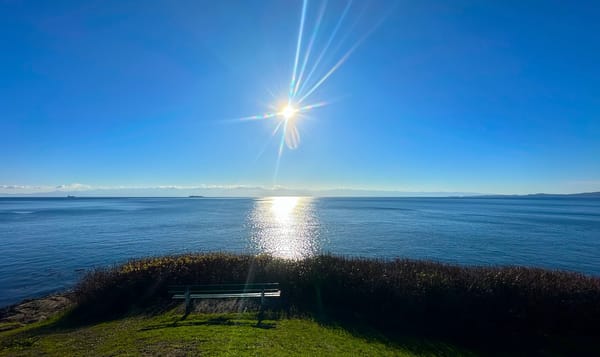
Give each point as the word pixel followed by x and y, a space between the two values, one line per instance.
pixel 70 195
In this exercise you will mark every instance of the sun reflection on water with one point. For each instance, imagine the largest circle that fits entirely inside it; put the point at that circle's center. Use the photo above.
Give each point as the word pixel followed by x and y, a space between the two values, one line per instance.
pixel 285 227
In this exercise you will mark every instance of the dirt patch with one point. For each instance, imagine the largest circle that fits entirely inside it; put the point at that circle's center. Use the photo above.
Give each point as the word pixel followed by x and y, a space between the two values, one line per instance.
pixel 30 311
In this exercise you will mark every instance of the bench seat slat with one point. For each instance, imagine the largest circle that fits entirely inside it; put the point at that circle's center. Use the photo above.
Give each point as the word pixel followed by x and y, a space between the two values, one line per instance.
pixel 228 295
pixel 222 290
pixel 228 286
pixel 208 292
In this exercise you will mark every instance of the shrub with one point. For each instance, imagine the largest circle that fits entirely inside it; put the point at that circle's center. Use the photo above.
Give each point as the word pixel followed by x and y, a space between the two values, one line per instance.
pixel 417 296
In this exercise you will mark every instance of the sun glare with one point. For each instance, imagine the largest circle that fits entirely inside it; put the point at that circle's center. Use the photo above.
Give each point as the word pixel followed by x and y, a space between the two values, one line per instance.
pixel 282 207
pixel 303 85
pixel 288 112
pixel 285 227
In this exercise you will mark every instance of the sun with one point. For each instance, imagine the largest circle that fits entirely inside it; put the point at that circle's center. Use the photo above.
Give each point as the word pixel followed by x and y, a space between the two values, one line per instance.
pixel 288 112
pixel 294 106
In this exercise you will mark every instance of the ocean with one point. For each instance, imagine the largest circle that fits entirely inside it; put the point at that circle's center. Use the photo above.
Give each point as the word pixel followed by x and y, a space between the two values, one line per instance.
pixel 49 243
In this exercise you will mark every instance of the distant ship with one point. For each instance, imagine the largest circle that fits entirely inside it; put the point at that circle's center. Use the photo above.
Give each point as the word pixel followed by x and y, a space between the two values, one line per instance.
pixel 69 196
pixel 192 196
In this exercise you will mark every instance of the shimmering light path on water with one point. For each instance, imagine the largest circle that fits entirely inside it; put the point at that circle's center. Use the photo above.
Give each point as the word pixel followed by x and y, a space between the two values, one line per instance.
pixel 48 243
pixel 285 227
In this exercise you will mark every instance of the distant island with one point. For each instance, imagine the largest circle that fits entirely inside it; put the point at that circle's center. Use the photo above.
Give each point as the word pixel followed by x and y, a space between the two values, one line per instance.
pixel 547 195
pixel 195 196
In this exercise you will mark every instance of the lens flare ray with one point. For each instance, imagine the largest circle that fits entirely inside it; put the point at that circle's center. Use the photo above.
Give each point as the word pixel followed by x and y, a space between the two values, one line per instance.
pixel 258 117
pixel 310 45
pixel 298 46
pixel 326 47
pixel 293 108
pixel 341 61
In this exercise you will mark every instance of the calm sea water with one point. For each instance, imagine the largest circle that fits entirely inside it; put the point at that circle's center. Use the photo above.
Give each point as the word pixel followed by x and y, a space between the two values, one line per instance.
pixel 47 243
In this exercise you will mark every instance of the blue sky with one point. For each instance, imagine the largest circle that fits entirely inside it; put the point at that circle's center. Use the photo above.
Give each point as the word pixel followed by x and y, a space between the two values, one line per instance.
pixel 460 96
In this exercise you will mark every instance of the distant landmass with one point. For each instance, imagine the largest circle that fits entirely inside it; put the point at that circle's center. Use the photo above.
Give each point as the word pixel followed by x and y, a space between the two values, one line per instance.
pixel 266 192
pixel 547 195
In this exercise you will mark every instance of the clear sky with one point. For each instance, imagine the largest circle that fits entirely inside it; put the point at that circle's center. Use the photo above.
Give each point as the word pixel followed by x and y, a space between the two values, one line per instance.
pixel 462 96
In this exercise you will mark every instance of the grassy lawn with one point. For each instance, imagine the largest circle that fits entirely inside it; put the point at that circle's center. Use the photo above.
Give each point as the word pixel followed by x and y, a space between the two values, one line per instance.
pixel 205 334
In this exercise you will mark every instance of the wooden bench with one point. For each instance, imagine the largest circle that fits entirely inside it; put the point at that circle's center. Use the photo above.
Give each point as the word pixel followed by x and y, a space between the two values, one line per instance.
pixel 224 291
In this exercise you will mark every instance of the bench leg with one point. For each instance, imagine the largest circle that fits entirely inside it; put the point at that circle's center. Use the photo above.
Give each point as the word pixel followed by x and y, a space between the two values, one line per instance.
pixel 188 301
pixel 261 309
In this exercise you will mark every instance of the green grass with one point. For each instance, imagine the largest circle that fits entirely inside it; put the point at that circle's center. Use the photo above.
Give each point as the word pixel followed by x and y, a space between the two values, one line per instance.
pixel 9 325
pixel 207 334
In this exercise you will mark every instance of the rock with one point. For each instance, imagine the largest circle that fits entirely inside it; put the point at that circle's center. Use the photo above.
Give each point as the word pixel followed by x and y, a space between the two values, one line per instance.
pixel 30 311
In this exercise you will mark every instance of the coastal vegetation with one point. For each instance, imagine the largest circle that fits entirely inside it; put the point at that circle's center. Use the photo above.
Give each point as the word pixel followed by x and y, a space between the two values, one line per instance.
pixel 481 309
pixel 212 334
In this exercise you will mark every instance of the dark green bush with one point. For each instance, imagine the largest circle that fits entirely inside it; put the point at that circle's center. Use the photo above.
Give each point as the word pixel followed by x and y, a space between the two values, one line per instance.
pixel 403 295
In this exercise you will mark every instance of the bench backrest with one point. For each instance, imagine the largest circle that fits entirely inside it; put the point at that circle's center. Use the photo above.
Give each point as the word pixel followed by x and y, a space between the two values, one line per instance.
pixel 224 288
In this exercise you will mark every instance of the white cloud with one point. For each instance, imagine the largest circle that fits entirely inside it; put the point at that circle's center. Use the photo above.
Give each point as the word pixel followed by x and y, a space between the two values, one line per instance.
pixel 234 190
pixel 12 187
pixel 73 187
pixel 22 187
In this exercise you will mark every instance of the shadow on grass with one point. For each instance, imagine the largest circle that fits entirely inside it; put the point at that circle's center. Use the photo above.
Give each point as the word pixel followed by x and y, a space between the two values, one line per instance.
pixel 216 321
pixel 405 338
pixel 65 324
pixel 423 342
pixel 415 343
pixel 70 322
